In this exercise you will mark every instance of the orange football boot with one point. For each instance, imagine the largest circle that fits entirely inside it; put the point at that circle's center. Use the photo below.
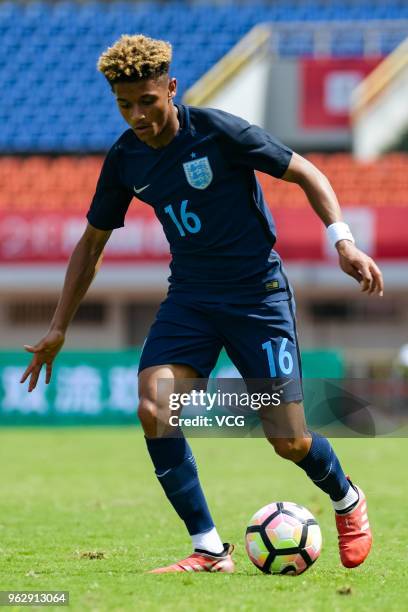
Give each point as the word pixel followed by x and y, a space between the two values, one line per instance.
pixel 201 561
pixel 355 537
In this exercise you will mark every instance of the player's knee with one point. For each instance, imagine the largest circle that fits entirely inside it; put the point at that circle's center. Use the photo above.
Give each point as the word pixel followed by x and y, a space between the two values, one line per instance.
pixel 147 412
pixel 293 449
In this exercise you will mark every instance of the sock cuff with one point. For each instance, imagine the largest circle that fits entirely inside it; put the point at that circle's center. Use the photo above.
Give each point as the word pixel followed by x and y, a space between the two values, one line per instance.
pixel 313 451
pixel 320 456
pixel 167 453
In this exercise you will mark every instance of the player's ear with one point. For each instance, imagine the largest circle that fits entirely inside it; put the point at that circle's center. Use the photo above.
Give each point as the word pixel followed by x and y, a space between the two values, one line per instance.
pixel 172 88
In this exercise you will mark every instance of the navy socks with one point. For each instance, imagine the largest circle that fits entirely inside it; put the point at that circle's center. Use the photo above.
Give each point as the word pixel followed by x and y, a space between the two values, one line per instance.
pixel 323 467
pixel 176 471
pixel 167 453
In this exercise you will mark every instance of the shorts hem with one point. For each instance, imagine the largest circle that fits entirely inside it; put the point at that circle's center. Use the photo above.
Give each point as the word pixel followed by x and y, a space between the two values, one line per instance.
pixel 172 362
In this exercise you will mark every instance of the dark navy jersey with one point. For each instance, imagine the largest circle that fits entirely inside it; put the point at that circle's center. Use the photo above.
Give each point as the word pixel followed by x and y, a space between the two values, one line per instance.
pixel 204 192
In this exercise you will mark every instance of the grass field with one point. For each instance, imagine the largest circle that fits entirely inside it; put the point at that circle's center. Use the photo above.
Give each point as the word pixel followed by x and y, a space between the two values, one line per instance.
pixel 66 493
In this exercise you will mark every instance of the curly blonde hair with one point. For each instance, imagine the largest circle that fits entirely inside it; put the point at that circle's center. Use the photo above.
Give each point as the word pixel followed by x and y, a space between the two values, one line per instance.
pixel 134 58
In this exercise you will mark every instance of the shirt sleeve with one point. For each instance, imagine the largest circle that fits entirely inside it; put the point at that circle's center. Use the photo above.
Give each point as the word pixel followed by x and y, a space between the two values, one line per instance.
pixel 253 146
pixel 111 200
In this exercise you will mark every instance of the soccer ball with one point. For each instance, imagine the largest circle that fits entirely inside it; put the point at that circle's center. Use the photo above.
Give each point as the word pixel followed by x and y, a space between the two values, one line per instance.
pixel 283 538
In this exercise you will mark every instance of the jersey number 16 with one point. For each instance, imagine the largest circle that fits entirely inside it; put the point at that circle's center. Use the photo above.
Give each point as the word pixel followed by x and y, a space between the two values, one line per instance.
pixel 189 220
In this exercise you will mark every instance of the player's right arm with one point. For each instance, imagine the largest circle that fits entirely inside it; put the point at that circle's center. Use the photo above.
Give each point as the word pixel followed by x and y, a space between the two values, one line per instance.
pixel 83 265
pixel 107 212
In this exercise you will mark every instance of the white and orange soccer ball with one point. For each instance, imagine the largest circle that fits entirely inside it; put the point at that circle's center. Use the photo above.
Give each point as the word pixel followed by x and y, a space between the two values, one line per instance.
pixel 283 538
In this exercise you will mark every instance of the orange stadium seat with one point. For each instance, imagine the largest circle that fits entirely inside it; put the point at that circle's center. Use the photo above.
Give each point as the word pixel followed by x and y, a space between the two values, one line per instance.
pixel 67 183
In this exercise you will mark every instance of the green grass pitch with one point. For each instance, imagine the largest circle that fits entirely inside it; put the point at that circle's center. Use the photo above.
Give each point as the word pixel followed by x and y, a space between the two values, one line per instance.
pixel 69 493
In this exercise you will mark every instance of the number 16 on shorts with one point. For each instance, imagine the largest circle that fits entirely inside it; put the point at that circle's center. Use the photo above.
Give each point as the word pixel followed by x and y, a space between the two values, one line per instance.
pixel 280 360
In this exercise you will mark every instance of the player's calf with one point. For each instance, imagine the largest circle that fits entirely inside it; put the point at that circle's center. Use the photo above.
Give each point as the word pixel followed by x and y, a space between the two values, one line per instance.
pixel 293 449
pixel 172 457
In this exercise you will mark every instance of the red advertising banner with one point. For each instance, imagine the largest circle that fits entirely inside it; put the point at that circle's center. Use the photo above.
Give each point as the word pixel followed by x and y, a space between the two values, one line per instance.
pixel 51 237
pixel 326 88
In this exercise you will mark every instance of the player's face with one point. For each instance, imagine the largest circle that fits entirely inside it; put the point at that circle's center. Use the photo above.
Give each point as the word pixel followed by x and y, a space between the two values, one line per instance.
pixel 148 108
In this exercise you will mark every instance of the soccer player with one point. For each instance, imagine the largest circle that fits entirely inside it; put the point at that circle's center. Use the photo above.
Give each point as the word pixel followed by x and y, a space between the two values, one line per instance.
pixel 196 167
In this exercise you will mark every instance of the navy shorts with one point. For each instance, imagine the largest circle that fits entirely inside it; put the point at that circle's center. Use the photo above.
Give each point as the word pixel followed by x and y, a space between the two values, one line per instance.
pixel 260 339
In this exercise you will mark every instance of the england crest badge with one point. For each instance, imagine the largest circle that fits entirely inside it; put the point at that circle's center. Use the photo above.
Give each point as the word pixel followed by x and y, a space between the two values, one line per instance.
pixel 198 173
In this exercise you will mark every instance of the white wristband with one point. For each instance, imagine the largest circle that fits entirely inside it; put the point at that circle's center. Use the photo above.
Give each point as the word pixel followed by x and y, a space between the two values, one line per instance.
pixel 339 231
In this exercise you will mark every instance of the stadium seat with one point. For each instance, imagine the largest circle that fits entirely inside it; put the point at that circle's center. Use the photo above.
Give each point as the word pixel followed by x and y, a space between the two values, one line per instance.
pixel 67 183
pixel 49 48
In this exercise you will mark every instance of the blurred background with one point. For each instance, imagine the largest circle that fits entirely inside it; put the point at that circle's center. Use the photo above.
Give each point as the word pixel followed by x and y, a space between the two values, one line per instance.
pixel 330 79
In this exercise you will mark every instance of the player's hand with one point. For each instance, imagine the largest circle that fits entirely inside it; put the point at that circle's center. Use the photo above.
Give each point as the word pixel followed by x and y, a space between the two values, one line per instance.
pixel 361 267
pixel 43 353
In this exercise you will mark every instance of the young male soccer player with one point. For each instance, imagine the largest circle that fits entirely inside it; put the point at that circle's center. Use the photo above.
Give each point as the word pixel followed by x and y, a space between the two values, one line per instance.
pixel 227 285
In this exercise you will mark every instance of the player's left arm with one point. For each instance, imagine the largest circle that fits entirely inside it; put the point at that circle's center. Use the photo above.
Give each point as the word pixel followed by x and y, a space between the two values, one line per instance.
pixel 322 198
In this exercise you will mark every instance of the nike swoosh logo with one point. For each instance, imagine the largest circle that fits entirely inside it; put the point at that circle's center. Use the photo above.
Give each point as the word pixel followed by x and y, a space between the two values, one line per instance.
pixel 141 189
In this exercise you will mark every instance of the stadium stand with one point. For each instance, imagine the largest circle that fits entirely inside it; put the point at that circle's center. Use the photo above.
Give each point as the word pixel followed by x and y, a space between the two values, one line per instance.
pixel 66 184
pixel 49 51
